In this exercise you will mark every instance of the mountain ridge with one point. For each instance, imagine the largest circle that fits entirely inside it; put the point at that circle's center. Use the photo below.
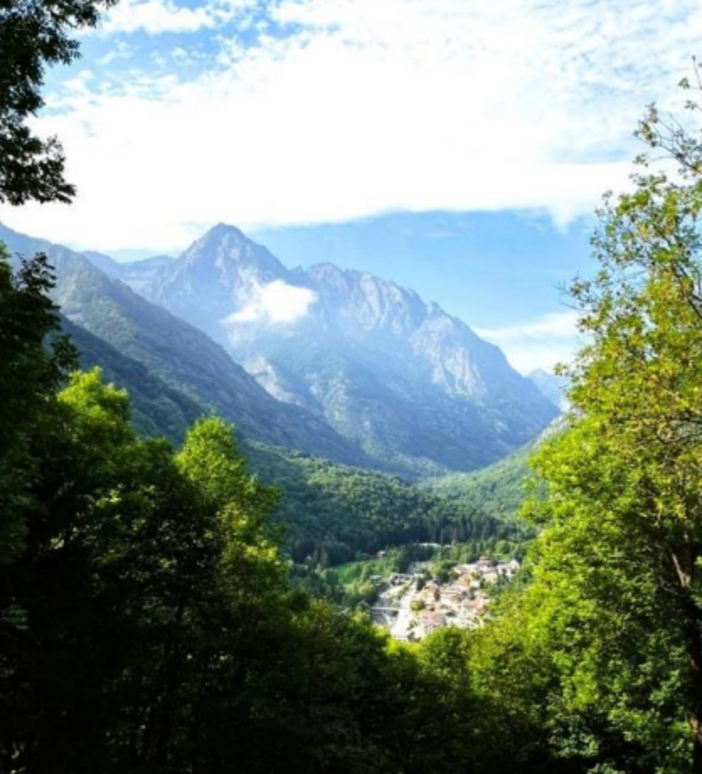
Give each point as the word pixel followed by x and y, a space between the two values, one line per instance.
pixel 361 352
pixel 336 362
pixel 553 386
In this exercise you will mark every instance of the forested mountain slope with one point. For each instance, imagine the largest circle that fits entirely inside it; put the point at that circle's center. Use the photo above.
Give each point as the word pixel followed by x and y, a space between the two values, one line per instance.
pixel 334 513
pixel 157 409
pixel 500 489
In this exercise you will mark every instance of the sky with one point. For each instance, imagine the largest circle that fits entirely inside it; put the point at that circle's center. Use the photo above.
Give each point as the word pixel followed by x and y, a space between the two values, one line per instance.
pixel 455 146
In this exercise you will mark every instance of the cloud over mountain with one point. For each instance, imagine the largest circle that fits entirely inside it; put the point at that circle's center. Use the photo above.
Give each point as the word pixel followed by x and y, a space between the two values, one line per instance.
pixel 276 302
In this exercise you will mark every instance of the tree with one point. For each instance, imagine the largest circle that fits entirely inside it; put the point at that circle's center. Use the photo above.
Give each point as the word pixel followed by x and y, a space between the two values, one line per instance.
pixel 109 542
pixel 153 603
pixel 30 373
pixel 625 484
pixel 35 33
pixel 603 607
pixel 512 676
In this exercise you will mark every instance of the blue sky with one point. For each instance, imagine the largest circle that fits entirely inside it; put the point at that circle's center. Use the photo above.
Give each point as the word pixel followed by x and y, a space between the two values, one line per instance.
pixel 494 125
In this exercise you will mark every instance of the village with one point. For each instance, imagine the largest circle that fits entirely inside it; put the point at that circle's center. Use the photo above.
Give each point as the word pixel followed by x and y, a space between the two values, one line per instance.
pixel 412 606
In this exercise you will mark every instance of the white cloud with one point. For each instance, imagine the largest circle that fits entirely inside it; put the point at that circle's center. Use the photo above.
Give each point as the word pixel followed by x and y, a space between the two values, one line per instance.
pixel 540 343
pixel 364 107
pixel 120 50
pixel 157 16
pixel 276 302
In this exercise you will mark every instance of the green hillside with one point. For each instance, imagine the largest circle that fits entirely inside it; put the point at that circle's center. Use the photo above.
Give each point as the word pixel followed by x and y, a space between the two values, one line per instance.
pixel 157 408
pixel 334 513
pixel 497 490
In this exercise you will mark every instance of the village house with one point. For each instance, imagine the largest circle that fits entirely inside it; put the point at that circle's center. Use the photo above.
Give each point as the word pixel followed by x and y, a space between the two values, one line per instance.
pixel 430 593
pixel 453 594
pixel 431 620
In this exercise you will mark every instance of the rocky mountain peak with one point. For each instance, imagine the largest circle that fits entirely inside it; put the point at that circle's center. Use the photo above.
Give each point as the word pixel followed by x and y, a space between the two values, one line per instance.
pixel 228 250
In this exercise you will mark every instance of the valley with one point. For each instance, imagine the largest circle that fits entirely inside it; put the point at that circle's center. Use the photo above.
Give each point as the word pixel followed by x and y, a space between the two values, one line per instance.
pixel 414 604
pixel 154 328
pixel 350 387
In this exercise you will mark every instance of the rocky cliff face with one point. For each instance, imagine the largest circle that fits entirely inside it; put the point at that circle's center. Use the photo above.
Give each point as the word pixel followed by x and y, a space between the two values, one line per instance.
pixel 414 387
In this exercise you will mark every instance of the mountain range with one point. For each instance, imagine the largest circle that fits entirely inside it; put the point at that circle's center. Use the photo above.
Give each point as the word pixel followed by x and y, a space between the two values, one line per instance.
pixel 340 364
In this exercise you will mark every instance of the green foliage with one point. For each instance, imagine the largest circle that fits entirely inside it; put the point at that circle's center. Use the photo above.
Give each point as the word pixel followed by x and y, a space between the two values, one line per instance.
pixel 512 676
pixel 640 458
pixel 136 578
pixel 335 514
pixel 30 372
pixel 211 458
pixel 34 33
pixel 162 633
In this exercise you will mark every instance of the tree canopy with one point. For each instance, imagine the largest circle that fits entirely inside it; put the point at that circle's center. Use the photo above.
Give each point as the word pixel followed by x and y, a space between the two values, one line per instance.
pixel 30 372
pixel 34 34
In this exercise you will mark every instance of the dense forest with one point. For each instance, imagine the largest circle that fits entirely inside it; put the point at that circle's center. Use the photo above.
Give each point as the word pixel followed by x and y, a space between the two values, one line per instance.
pixel 498 490
pixel 148 618
pixel 334 514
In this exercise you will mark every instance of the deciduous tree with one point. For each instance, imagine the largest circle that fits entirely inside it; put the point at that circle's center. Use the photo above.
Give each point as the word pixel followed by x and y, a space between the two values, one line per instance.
pixel 34 34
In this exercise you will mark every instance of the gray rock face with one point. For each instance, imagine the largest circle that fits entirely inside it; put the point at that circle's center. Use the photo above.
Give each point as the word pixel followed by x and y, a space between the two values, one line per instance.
pixel 213 279
pixel 415 388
